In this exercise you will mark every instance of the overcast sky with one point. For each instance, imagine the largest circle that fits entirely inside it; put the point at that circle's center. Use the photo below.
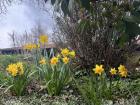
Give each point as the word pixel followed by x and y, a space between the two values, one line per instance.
pixel 24 16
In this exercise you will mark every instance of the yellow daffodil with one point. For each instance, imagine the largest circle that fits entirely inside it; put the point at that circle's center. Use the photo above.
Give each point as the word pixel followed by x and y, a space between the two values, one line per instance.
pixel 123 73
pixel 20 68
pixel 14 72
pixel 30 46
pixel 15 69
pixel 65 52
pixel 121 68
pixel 42 61
pixel 43 39
pixel 113 71
pixel 54 61
pixel 72 53
pixel 65 60
pixel 12 69
pixel 98 69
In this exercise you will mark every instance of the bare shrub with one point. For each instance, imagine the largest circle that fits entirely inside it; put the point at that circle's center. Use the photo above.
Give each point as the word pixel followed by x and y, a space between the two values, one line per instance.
pixel 94 37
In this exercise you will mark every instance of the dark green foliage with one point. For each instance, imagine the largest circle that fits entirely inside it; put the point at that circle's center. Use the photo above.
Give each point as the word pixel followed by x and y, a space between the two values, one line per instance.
pixel 64 6
pixel 131 22
pixel 85 4
pixel 53 1
pixel 129 25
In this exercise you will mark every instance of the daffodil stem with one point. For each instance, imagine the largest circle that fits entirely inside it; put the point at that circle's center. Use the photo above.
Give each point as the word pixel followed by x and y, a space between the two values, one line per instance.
pixel 96 83
pixel 111 87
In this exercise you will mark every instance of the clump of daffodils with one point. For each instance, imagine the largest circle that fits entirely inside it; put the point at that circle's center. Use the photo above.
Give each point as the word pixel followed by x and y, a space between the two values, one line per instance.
pixel 67 53
pixel 15 69
pixel 42 40
pixel 64 56
pixel 30 46
pixel 122 71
